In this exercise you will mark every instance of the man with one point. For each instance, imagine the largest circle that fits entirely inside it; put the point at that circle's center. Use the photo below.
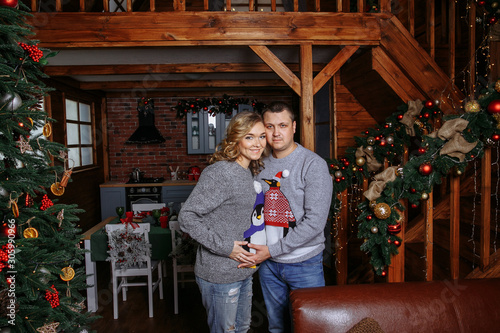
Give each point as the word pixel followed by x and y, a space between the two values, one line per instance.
pixel 298 193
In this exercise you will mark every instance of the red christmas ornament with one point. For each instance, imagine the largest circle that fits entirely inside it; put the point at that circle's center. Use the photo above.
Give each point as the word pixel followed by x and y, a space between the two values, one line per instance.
pixel 369 217
pixel 412 190
pixel 495 137
pixel 8 3
pixel 494 106
pixel 427 115
pixel 394 229
pixel 425 169
pixel 493 20
pixel 481 2
pixel 414 205
pixel 421 150
pixel 400 116
pixel 384 273
pixel 429 104
pixel 397 243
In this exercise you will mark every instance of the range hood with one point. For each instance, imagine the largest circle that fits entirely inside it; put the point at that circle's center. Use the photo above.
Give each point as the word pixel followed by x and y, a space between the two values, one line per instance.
pixel 147 132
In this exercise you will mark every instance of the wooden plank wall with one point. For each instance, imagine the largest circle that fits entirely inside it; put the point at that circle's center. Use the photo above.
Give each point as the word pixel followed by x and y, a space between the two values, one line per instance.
pixel 351 118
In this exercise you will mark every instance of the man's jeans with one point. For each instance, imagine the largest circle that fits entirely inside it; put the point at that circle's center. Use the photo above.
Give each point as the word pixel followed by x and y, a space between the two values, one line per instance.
pixel 277 280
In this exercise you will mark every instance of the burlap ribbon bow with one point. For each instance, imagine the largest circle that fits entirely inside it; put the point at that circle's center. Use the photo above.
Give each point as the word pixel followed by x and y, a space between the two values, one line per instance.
pixel 414 108
pixel 456 146
pixel 371 162
pixel 377 186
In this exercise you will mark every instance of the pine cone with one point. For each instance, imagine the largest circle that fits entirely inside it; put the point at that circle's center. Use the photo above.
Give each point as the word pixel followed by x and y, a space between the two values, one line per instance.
pixel 4 302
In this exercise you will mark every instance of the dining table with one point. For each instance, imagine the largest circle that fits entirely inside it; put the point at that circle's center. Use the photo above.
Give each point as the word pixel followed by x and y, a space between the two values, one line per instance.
pixel 96 242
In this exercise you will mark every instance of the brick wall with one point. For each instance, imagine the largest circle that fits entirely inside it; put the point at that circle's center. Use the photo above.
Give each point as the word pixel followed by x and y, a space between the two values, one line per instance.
pixel 153 159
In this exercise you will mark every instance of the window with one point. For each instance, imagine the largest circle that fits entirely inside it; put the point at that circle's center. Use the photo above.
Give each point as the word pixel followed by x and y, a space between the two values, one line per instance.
pixel 79 133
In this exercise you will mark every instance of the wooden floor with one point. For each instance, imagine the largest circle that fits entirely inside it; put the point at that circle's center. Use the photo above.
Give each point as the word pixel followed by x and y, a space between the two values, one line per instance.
pixel 133 313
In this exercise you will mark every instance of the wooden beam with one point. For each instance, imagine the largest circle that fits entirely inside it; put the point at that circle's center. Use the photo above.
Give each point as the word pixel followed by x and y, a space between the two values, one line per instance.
pixel 203 28
pixel 152 84
pixel 454 227
pixel 179 5
pixel 472 47
pixel 166 68
pixel 307 130
pixel 485 209
pixel 452 40
pixel 278 67
pixel 332 67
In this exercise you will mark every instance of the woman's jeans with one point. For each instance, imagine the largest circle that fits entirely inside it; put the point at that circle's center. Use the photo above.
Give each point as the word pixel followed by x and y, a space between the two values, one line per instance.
pixel 277 280
pixel 228 305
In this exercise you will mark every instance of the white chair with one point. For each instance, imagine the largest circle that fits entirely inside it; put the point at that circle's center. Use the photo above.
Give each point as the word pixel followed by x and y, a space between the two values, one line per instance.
pixel 146 207
pixel 142 266
pixel 178 266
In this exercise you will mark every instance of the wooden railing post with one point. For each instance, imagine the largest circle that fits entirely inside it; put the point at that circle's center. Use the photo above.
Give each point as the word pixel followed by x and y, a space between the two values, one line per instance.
pixel 341 242
pixel 429 237
pixel 454 226
pixel 485 209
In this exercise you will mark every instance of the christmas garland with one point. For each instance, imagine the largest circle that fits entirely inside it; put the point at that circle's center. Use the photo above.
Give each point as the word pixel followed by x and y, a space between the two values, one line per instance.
pixel 459 140
pixel 213 106
pixel 492 10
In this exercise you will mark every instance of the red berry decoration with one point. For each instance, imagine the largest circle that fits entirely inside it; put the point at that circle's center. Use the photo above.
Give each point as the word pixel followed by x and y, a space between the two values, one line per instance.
pixel 494 106
pixel 52 296
pixel 421 150
pixel 397 243
pixel 425 169
pixel 46 202
pixel 481 2
pixel 429 104
pixel 33 51
pixel 8 3
pixel 495 137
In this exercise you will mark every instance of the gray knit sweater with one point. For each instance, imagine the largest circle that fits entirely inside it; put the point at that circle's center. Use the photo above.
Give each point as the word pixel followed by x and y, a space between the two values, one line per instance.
pixel 307 191
pixel 216 214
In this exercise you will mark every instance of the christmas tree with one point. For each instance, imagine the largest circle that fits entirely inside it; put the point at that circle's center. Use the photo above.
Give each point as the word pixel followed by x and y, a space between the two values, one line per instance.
pixel 41 272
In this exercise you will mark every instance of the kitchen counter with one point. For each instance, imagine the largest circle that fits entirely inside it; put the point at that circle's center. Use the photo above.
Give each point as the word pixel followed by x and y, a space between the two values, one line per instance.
pixel 164 183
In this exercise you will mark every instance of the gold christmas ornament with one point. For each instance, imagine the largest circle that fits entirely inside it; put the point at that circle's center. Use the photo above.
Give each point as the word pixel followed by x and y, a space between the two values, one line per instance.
pixel 67 274
pixel 372 204
pixel 425 196
pixel 472 106
pixel 30 233
pixel 382 211
pixel 369 149
pixel 497 86
pixel 374 230
pixel 360 161
pixel 370 140
pixel 338 174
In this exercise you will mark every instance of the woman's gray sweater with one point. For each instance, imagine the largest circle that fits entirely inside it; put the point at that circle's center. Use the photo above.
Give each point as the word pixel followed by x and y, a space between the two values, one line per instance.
pixel 216 214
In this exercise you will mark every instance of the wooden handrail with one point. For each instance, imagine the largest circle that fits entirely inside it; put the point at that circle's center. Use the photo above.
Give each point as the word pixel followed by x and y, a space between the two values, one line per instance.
pixel 485 209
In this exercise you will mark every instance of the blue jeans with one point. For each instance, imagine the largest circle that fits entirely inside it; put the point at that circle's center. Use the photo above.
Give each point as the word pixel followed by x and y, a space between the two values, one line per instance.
pixel 277 280
pixel 228 305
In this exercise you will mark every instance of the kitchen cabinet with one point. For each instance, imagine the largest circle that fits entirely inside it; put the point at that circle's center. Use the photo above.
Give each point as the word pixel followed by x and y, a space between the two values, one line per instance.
pixel 205 131
pixel 111 197
pixel 176 194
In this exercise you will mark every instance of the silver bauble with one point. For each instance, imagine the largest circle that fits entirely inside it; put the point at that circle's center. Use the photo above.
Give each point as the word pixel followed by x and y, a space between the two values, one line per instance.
pixel 45 274
pixel 390 140
pixel 11 102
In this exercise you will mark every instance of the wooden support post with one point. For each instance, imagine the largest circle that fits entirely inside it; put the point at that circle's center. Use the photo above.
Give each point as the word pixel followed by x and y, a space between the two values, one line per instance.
pixel 454 226
pixel 152 5
pixel 341 242
pixel 307 136
pixel 472 47
pixel 431 27
pixel 429 237
pixel 105 6
pixel 82 6
pixel 485 209
pixel 411 16
pixel 385 6
pixel 58 6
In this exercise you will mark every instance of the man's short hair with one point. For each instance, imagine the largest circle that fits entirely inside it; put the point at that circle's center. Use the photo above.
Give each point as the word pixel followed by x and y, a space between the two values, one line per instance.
pixel 277 107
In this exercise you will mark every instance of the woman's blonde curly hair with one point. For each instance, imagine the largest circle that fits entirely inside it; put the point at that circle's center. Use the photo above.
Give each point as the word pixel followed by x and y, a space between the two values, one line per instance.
pixel 229 150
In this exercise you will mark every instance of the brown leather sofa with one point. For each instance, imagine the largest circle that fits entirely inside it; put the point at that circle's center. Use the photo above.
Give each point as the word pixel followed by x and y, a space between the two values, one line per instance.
pixel 438 306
